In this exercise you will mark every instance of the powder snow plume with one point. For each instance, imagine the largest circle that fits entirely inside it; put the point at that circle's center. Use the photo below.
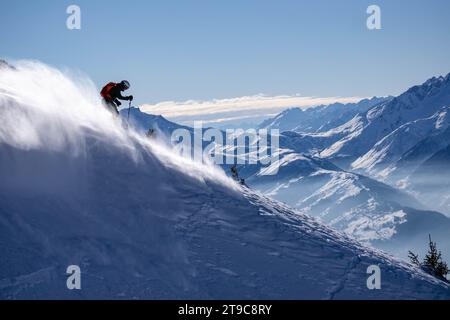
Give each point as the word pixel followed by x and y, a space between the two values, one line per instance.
pixel 43 108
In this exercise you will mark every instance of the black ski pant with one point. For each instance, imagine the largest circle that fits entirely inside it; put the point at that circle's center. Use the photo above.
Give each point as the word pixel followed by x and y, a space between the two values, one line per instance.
pixel 111 107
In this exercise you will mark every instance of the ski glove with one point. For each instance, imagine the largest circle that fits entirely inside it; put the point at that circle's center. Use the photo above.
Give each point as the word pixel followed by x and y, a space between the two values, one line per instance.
pixel 130 98
pixel 118 103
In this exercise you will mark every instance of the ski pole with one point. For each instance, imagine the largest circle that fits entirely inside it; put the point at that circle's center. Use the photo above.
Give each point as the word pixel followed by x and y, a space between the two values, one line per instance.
pixel 129 109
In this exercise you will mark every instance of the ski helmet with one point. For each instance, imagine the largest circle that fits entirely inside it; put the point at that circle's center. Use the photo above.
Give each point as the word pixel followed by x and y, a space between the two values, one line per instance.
pixel 125 84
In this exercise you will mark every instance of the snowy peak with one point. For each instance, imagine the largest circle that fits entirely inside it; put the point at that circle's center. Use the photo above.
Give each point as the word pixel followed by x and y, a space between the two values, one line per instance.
pixel 319 118
pixel 281 120
pixel 436 81
pixel 391 148
pixel 432 88
pixel 419 102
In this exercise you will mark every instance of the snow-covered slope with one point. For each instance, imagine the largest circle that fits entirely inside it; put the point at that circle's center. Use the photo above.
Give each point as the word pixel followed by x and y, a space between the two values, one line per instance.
pixel 380 159
pixel 418 154
pixel 141 222
pixel 319 119
pixel 419 102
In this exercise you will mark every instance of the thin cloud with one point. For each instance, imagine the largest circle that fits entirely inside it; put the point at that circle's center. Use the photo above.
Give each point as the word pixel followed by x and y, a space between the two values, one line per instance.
pixel 217 110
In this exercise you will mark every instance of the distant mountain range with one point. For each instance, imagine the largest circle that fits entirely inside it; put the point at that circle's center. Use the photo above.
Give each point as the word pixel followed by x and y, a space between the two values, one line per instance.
pixel 321 118
pixel 419 102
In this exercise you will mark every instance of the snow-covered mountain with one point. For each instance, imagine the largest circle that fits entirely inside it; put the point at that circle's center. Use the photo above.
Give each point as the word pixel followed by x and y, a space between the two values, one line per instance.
pixel 321 118
pixel 364 208
pixel 381 158
pixel 77 188
pixel 419 102
pixel 418 154
pixel 387 142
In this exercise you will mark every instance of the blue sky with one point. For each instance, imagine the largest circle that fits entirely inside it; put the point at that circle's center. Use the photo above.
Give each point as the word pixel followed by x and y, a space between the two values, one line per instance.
pixel 203 50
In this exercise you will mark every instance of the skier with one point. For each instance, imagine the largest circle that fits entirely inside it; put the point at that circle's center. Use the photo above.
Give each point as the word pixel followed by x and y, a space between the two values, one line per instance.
pixel 150 133
pixel 111 94
pixel 234 173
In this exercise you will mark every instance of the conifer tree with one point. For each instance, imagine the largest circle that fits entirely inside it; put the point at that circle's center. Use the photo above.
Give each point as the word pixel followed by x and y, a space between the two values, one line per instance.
pixel 433 261
pixel 414 258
